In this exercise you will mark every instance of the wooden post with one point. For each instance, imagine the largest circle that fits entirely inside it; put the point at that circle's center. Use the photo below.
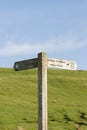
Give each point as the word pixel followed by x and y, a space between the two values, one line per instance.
pixel 42 62
pixel 42 91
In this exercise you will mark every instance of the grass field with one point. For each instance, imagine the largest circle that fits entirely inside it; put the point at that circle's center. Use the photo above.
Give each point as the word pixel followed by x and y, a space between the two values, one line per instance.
pixel 67 99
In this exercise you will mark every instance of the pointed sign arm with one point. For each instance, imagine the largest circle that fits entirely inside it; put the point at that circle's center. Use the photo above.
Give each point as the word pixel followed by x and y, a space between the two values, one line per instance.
pixel 26 64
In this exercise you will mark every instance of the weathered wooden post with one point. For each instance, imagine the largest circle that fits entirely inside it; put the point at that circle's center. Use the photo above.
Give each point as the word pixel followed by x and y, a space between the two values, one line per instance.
pixel 42 91
pixel 42 62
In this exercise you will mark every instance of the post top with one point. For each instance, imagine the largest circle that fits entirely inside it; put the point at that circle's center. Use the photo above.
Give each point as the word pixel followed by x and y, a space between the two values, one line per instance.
pixel 43 53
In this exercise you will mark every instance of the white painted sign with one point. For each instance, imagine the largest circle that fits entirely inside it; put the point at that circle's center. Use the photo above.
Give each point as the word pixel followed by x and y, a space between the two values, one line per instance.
pixel 61 64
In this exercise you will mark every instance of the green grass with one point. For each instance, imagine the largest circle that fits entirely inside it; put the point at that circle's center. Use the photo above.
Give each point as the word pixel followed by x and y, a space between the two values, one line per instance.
pixel 67 99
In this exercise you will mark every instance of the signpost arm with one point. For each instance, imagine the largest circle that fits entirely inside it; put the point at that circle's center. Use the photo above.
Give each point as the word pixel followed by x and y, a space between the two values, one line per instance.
pixel 42 91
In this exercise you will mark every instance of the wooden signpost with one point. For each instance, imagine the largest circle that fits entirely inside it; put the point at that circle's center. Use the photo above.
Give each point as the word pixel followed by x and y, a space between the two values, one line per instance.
pixel 42 62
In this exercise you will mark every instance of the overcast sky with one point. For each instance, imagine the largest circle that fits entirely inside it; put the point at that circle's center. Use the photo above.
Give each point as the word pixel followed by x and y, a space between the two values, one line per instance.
pixel 57 27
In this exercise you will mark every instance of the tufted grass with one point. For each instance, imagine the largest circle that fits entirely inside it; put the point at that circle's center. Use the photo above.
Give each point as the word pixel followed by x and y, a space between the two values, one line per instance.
pixel 67 99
